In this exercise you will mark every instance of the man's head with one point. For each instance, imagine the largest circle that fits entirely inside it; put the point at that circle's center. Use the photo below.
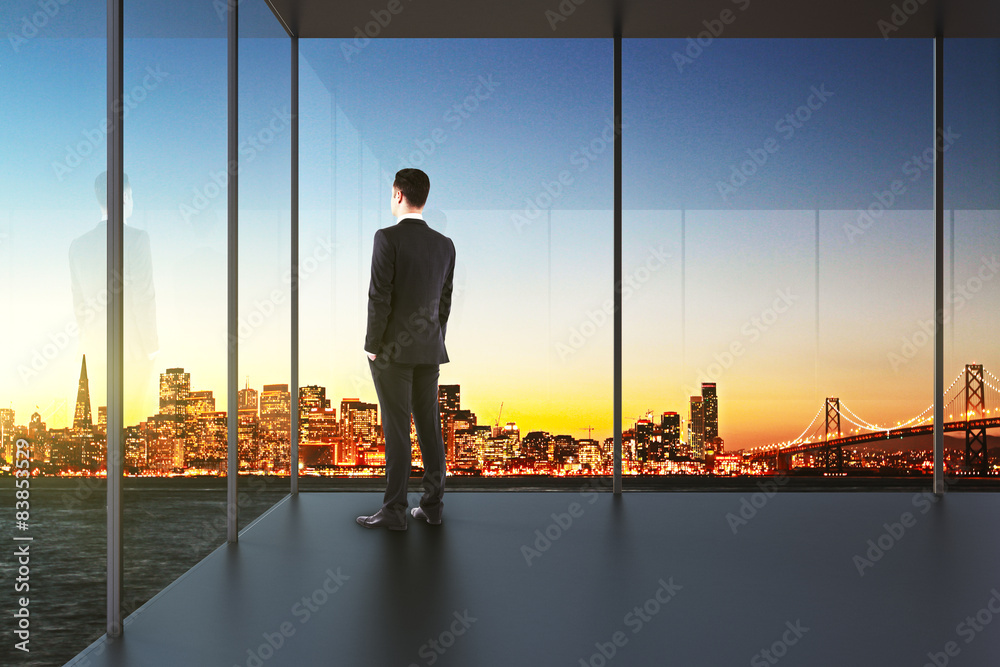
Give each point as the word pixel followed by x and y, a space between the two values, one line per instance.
pixel 101 190
pixel 409 191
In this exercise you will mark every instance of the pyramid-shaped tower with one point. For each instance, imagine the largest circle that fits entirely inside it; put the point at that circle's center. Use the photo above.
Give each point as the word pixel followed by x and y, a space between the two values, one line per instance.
pixel 82 420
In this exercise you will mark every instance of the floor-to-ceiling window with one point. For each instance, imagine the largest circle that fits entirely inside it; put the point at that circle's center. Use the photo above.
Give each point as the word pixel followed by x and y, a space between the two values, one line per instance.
pixel 53 241
pixel 788 184
pixel 264 329
pixel 53 65
pixel 516 137
pixel 972 255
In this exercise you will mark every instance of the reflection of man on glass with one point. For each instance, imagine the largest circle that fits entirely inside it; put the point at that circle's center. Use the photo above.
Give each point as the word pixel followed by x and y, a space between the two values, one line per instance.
pixel 88 271
pixel 409 300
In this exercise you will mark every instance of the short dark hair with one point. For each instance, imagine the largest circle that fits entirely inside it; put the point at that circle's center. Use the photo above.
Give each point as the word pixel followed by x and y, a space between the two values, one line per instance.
pixel 414 185
pixel 101 187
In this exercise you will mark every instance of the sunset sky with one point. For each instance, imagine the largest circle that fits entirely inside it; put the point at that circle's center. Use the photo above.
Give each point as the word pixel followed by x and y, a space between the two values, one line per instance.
pixel 515 137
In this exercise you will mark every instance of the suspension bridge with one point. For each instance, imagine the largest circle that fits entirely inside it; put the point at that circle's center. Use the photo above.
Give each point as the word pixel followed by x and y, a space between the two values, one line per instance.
pixel 967 407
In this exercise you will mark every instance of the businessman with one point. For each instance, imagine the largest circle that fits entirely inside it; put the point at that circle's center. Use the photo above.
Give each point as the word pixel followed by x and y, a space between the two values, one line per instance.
pixel 409 300
pixel 89 275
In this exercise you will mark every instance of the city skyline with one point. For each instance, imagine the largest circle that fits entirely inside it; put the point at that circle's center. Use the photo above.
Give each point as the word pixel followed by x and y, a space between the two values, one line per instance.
pixel 187 434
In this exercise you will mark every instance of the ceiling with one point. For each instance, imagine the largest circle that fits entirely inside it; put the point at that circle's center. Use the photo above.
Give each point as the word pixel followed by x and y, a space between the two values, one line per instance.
pixel 639 18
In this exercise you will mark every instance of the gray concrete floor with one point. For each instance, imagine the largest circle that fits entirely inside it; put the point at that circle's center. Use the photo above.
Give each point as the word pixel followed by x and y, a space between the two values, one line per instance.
pixel 581 578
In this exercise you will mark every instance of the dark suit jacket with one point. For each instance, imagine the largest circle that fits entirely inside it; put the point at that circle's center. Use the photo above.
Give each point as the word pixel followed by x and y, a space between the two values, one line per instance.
pixel 409 297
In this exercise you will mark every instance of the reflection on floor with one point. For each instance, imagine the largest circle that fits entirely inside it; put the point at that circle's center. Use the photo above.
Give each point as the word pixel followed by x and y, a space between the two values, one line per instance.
pixel 588 579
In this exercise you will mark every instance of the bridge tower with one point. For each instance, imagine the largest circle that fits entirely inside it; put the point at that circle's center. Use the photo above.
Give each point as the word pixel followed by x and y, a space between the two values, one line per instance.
pixel 976 453
pixel 833 455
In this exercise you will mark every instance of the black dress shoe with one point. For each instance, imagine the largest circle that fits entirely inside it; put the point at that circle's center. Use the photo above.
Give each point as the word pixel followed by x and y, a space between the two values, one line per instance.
pixel 382 519
pixel 419 513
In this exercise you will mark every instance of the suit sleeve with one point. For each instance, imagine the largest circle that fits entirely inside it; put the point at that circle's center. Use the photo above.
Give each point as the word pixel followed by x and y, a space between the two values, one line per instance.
pixel 444 307
pixel 380 291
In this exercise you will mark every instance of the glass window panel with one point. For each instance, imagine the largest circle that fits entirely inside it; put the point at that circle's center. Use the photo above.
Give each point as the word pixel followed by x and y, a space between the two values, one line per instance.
pixel 786 182
pixel 264 247
pixel 972 253
pixel 520 166
pixel 53 112
pixel 174 317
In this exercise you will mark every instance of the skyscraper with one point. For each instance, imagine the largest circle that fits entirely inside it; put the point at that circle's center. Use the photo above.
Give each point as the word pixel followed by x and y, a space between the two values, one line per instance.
pixel 136 447
pixel 172 428
pixel 696 428
pixel 645 446
pixel 41 448
pixel 275 424
pixel 82 420
pixel 670 427
pixel 163 446
pixel 449 397
pixel 7 434
pixel 211 442
pixel 535 446
pixel 196 429
pixel 248 450
pixel 200 401
pixel 311 398
pixel 711 401
pixel 83 424
pixel 359 420
pixel 247 398
pixel 449 404
pixel 175 386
